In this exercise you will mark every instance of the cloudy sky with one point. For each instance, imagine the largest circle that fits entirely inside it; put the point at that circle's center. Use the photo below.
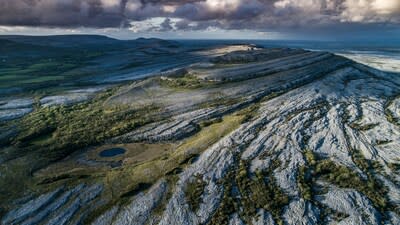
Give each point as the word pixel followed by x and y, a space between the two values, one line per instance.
pixel 238 19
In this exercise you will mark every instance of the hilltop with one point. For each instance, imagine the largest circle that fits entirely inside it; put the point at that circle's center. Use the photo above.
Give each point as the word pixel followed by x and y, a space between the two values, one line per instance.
pixel 249 136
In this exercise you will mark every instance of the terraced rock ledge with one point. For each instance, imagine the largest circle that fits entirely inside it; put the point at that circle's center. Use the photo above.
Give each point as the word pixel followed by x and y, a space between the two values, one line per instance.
pixel 258 136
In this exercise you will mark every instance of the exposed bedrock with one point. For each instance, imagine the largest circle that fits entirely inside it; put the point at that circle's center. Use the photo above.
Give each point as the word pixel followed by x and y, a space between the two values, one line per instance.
pixel 57 207
pixel 15 108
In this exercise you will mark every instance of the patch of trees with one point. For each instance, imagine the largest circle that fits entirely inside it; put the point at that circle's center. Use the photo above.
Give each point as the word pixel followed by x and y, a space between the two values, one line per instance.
pixel 62 130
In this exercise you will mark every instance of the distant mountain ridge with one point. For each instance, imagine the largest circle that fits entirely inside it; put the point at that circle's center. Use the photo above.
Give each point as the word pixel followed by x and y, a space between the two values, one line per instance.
pixel 80 40
pixel 32 62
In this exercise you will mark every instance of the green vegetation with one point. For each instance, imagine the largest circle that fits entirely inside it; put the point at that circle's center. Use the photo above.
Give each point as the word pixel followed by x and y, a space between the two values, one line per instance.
pixel 260 193
pixel 187 81
pixel 343 177
pixel 249 112
pixel 171 183
pixel 257 191
pixel 45 69
pixel 346 178
pixel 363 127
pixel 389 114
pixel 304 176
pixel 322 106
pixel 193 192
pixel 61 130
pixel 310 157
pixel 52 133
pixel 304 183
pixel 390 117
pixel 370 186
pixel 122 180
pixel 60 177
pixel 333 214
pixel 273 94
pixel 219 99
pixel 382 142
pixel 140 187
pixel 228 204
pixel 367 166
pixel 206 123
pixel 395 167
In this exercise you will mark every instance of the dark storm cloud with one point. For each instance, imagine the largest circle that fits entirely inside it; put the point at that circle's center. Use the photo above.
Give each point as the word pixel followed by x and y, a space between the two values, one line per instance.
pixel 200 14
pixel 58 13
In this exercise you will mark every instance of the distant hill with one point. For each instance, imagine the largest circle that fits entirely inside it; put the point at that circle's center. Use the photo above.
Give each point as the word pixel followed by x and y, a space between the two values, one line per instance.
pixel 12 45
pixel 32 62
pixel 87 41
pixel 61 40
pixel 10 48
pixel 154 43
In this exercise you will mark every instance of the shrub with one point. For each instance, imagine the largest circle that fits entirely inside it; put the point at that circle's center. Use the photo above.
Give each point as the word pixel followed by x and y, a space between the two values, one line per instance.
pixel 304 183
pixel 345 178
pixel 257 191
pixel 193 192
pixel 66 129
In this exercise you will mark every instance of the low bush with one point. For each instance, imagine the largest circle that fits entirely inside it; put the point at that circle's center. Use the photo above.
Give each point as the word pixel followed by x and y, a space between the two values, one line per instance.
pixel 346 178
pixel 66 129
pixel 187 81
pixel 256 191
pixel 304 183
pixel 193 192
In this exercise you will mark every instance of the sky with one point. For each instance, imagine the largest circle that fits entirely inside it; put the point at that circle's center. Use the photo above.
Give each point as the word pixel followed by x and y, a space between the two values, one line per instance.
pixel 206 19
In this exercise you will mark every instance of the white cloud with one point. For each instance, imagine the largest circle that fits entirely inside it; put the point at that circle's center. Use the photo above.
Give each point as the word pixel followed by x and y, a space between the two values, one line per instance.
pixel 152 25
pixel 133 5
pixel 219 5
pixel 386 6
pixel 110 3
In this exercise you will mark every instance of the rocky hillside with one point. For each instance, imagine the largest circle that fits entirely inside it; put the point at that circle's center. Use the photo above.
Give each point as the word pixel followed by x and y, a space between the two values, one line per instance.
pixel 258 136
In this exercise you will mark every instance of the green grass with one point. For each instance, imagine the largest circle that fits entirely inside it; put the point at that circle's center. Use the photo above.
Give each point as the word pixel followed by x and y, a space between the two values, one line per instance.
pixel 122 180
pixel 52 133
pixel 220 100
pixel 44 70
pixel 12 78
pixel 41 79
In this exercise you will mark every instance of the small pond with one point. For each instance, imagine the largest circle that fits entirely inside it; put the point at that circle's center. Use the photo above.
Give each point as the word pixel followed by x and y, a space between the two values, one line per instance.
pixel 112 152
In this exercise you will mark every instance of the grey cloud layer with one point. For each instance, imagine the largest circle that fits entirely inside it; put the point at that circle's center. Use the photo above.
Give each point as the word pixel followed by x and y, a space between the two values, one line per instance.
pixel 199 14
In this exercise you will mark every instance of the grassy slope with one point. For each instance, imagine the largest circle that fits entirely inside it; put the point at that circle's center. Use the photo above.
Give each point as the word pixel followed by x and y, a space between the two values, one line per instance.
pixel 49 134
pixel 125 179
